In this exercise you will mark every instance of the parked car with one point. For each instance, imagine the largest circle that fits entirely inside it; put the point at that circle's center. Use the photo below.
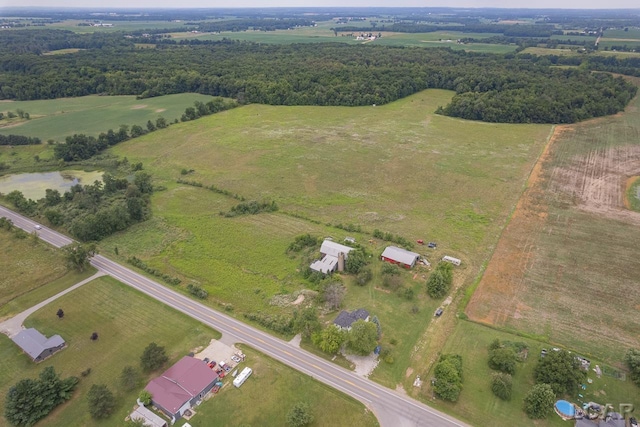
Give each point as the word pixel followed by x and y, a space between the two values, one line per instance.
pixel 206 360
pixel 432 245
pixel 633 422
pixel 236 359
pixel 438 312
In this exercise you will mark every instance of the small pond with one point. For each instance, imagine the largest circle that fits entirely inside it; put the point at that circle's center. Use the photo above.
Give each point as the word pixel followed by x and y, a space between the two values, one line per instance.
pixel 34 185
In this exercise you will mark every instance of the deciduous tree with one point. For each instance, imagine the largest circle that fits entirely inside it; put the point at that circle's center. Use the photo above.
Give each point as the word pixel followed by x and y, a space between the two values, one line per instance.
pixel 538 403
pixel 363 337
pixel 101 401
pixel 300 415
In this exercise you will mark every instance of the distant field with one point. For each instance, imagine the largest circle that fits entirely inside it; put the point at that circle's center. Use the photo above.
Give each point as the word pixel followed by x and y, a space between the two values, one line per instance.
pixel 58 118
pixel 633 33
pixel 62 51
pixel 323 35
pixel 565 268
pixel 573 52
pixel 477 404
pixel 126 322
pixel 72 25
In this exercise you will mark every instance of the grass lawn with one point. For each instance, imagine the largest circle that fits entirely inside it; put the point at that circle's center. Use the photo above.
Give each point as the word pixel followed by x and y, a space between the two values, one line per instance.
pixel 270 392
pixel 31 271
pixel 126 322
pixel 478 405
pixel 58 118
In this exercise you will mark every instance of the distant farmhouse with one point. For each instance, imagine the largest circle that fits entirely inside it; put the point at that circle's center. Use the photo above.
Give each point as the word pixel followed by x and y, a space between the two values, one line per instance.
pixel 36 345
pixel 181 387
pixel 346 319
pixel 403 257
pixel 333 257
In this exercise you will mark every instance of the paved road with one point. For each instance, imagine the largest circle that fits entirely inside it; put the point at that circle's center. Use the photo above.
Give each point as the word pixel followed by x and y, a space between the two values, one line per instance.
pixel 392 408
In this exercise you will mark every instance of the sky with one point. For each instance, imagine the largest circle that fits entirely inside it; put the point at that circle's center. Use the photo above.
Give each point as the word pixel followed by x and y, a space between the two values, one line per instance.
pixel 537 4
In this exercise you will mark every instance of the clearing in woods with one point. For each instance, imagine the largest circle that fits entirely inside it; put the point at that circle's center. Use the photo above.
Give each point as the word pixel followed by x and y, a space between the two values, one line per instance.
pixel 565 267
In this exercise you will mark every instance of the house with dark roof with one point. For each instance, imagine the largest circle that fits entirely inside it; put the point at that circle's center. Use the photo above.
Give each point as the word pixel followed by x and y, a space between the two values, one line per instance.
pixel 612 419
pixel 181 387
pixel 36 345
pixel 346 319
pixel 403 257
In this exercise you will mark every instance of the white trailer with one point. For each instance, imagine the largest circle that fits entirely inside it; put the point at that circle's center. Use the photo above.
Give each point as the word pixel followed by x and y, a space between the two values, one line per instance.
pixel 242 377
pixel 452 260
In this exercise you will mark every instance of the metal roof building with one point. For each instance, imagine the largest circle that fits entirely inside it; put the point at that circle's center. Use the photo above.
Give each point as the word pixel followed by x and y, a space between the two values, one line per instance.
pixel 36 345
pixel 396 255
pixel 330 257
pixel 181 386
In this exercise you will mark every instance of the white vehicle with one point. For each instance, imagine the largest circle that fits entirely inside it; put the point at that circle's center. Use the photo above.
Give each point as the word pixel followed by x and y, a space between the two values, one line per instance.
pixel 38 227
pixel 242 377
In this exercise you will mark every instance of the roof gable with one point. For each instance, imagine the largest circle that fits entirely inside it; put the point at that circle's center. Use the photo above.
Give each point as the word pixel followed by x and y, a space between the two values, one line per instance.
pixel 332 248
pixel 400 255
pixel 346 319
pixel 180 383
pixel 32 342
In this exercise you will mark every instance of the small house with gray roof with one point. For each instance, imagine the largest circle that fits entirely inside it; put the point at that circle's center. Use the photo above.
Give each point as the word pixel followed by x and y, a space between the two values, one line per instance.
pixel 36 345
pixel 346 319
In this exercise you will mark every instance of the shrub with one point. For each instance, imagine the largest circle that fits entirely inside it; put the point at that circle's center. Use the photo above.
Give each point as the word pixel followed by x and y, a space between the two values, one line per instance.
pixel 364 276
pixel 503 359
pixel 539 401
pixel 448 377
pixel 501 385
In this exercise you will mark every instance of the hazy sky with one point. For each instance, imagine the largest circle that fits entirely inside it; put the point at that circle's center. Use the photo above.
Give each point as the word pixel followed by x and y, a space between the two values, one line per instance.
pixel 568 4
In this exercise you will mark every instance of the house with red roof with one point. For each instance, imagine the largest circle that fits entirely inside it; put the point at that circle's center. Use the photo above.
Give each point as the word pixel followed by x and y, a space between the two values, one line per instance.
pixel 181 386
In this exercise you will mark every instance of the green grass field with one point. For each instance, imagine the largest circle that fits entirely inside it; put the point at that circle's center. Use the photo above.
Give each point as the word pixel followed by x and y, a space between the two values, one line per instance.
pixel 324 34
pixel 58 118
pixel 126 322
pixel 632 33
pixel 398 168
pixel 266 397
pixel 477 404
pixel 573 52
pixel 31 271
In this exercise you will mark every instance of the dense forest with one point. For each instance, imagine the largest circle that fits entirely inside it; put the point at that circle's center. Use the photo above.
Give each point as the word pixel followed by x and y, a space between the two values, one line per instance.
pixel 497 88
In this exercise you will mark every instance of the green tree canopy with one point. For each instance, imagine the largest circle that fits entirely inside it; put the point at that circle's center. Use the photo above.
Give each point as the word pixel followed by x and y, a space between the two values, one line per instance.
pixel 501 385
pixel 129 378
pixel 439 281
pixel 300 415
pixel 78 255
pixel 330 339
pixel 538 403
pixel 31 400
pixel 503 359
pixel 153 357
pixel 306 322
pixel 448 377
pixel 363 337
pixel 101 401
pixel 632 359
pixel 561 370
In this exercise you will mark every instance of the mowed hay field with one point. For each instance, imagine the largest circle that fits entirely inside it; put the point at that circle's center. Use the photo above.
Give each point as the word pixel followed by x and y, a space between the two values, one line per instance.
pixel 398 168
pixel 30 271
pixel 58 118
pixel 566 267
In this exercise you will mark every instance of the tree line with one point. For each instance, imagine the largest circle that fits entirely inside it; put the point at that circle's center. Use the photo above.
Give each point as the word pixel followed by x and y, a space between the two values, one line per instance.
pixel 19 140
pixel 503 88
pixel 81 146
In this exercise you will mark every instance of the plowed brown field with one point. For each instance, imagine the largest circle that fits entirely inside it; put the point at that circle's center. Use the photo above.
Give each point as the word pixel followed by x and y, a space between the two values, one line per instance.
pixel 566 267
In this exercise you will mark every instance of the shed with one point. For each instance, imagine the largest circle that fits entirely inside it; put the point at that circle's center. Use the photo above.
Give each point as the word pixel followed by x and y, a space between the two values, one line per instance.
pixel 181 386
pixel 403 257
pixel 36 345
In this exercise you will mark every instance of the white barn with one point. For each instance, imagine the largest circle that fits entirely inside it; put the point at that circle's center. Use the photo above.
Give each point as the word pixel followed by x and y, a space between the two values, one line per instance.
pixel 331 253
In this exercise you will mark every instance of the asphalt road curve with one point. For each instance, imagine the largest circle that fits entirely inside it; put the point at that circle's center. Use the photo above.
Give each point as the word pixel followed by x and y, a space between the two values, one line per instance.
pixel 391 408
